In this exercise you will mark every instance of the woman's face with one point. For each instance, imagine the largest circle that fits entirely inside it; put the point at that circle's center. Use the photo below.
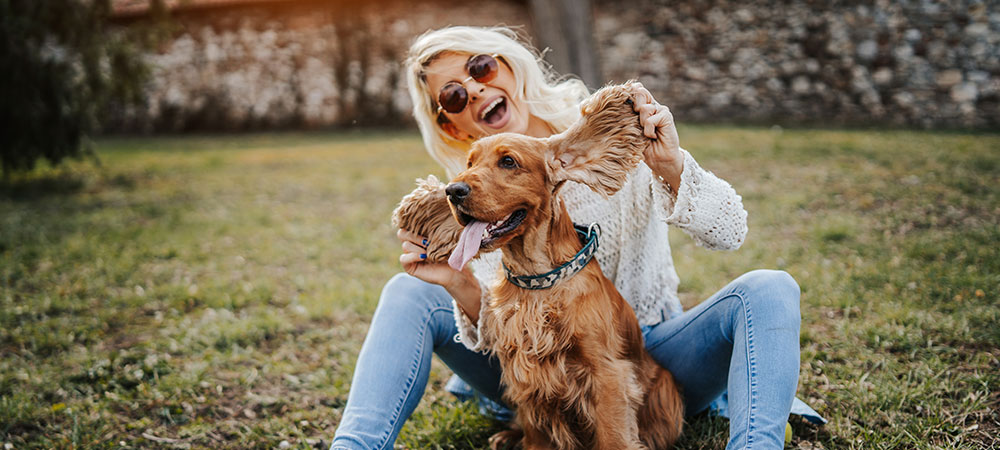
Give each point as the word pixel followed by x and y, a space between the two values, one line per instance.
pixel 491 107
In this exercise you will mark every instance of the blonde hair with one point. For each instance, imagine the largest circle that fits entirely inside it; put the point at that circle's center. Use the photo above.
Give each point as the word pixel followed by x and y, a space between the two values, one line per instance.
pixel 553 99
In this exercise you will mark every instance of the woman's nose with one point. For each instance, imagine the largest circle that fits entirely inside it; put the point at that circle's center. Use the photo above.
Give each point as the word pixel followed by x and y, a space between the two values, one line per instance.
pixel 475 89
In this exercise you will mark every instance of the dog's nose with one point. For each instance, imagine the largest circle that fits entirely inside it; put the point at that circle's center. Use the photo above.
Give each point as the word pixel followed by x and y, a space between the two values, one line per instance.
pixel 457 192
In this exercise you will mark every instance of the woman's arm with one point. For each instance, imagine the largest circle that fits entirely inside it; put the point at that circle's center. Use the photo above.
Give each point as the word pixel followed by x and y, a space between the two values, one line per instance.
pixel 467 294
pixel 462 285
pixel 465 289
pixel 663 156
pixel 470 327
pixel 703 205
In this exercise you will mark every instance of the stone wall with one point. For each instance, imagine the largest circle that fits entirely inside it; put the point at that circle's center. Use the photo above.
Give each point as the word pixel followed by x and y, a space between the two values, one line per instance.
pixel 318 64
pixel 912 63
pixel 301 64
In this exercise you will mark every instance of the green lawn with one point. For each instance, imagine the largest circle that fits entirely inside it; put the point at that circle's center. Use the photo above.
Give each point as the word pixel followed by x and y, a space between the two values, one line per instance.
pixel 213 292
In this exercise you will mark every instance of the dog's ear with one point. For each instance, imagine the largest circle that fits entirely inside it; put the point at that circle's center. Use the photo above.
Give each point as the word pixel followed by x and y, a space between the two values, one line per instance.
pixel 603 147
pixel 425 211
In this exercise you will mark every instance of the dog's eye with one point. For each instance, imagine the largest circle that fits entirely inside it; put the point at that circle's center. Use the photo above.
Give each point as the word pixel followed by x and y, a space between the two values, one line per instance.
pixel 507 163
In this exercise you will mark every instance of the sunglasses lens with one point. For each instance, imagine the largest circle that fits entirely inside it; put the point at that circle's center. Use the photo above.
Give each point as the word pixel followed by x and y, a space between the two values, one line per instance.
pixel 483 68
pixel 453 97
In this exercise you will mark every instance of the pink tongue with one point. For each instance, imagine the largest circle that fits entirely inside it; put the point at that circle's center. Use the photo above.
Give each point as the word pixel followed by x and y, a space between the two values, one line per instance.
pixel 468 244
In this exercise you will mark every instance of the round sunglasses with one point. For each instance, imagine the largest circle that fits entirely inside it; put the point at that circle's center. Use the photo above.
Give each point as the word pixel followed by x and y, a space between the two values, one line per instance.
pixel 453 97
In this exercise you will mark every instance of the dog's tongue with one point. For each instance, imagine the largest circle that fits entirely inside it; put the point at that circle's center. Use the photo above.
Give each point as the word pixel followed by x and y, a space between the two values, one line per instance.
pixel 468 244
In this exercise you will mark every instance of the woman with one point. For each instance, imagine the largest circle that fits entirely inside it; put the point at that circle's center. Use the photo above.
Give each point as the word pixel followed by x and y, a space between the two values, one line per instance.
pixel 467 83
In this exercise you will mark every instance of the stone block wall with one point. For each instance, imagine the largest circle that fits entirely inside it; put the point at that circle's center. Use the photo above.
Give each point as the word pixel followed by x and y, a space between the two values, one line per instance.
pixel 294 64
pixel 312 63
pixel 910 63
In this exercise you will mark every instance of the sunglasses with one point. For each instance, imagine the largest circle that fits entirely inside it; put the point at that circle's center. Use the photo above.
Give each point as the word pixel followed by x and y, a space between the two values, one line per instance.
pixel 453 97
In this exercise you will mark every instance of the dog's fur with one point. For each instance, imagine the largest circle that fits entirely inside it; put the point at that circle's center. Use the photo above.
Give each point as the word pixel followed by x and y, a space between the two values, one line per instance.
pixel 425 211
pixel 573 358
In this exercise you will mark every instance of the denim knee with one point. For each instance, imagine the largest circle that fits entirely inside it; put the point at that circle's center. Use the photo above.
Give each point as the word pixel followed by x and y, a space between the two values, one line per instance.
pixel 774 291
pixel 407 297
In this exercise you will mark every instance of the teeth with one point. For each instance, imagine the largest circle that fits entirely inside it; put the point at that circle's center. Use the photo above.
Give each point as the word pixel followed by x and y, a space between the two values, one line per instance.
pixel 490 108
pixel 494 225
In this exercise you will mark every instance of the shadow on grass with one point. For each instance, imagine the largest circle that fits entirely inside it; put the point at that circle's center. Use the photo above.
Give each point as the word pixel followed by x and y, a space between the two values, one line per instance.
pixel 704 430
pixel 28 187
pixel 61 181
pixel 803 431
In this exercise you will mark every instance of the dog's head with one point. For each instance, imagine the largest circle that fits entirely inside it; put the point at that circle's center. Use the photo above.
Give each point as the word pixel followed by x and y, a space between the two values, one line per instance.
pixel 511 179
pixel 425 212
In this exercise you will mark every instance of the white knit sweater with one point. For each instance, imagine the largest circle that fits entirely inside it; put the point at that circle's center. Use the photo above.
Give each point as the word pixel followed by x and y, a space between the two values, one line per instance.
pixel 634 252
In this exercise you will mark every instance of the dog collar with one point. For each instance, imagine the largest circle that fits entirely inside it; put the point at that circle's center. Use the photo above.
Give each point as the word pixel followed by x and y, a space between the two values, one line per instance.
pixel 588 236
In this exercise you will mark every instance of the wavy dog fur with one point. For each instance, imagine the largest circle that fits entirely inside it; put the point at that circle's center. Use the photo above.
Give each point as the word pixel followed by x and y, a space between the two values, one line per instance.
pixel 573 358
pixel 425 211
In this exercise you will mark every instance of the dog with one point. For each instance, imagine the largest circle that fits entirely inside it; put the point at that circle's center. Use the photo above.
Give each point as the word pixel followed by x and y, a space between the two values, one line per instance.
pixel 571 350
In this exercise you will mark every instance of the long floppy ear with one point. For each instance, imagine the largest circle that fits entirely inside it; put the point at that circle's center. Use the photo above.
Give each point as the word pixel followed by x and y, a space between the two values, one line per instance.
pixel 601 148
pixel 425 211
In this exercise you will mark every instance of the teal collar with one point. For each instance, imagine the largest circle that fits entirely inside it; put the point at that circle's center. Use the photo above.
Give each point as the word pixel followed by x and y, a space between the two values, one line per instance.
pixel 588 236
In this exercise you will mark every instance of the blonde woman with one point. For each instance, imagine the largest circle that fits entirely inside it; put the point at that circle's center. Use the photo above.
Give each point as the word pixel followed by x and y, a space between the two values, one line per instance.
pixel 468 82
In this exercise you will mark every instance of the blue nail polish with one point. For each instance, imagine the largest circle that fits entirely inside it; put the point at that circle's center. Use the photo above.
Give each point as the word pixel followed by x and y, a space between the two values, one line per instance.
pixel 423 256
pixel 425 241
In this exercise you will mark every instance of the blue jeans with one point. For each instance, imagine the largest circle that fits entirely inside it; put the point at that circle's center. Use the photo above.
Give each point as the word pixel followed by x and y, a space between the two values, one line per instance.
pixel 744 339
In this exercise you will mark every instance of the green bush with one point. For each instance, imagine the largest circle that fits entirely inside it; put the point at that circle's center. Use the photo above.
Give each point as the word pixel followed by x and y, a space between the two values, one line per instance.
pixel 62 64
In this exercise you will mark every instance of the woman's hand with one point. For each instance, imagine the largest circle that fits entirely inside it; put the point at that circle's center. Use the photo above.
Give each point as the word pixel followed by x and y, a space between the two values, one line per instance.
pixel 414 263
pixel 663 155
pixel 462 285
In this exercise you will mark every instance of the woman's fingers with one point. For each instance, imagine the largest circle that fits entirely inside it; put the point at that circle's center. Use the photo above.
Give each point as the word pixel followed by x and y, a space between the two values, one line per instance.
pixel 414 259
pixel 437 273
pixel 645 111
pixel 410 259
pixel 651 113
pixel 648 127
pixel 661 118
pixel 410 247
pixel 408 236
pixel 414 250
pixel 667 132
pixel 656 120
pixel 642 96
pixel 653 117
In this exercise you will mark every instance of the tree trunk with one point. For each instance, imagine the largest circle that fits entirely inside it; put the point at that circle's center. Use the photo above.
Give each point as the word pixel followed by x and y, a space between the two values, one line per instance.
pixel 566 27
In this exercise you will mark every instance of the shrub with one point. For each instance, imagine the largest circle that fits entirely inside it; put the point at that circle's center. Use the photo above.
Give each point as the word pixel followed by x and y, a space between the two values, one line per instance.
pixel 61 65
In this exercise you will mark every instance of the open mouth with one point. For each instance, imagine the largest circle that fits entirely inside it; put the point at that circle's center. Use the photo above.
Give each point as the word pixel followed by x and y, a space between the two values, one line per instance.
pixel 478 234
pixel 503 226
pixel 494 114
pixel 495 230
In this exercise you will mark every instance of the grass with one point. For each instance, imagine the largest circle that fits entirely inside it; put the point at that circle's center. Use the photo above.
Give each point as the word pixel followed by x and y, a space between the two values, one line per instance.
pixel 213 291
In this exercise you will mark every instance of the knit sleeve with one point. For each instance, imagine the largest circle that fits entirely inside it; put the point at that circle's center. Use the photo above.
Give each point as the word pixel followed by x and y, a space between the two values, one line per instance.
pixel 469 334
pixel 706 207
